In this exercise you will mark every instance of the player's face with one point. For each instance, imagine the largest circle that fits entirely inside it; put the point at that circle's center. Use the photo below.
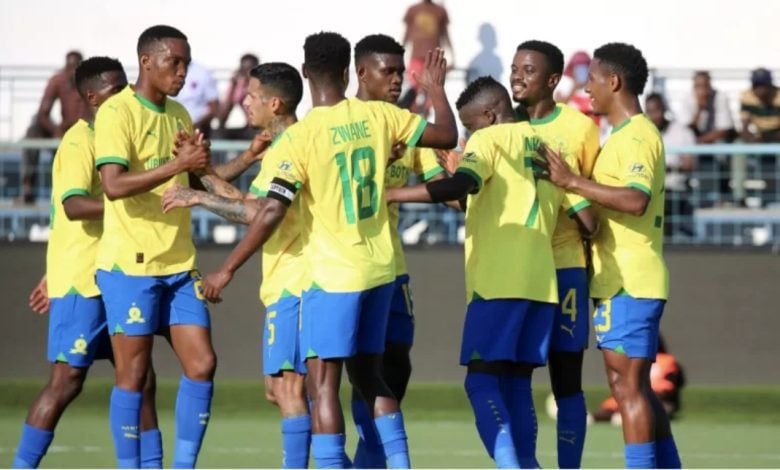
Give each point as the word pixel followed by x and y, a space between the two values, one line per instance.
pixel 382 75
pixel 654 111
pixel 530 79
pixel 167 65
pixel 474 118
pixel 111 83
pixel 257 104
pixel 599 87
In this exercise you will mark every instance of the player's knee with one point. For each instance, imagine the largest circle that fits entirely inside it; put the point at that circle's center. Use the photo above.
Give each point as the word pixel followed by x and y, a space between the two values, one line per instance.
pixel 68 383
pixel 202 368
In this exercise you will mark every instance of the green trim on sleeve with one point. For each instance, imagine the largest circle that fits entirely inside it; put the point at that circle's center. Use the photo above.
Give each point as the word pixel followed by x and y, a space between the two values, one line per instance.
pixel 117 160
pixel 257 191
pixel 578 207
pixel 74 192
pixel 412 142
pixel 473 174
pixel 642 188
pixel 432 172
pixel 531 220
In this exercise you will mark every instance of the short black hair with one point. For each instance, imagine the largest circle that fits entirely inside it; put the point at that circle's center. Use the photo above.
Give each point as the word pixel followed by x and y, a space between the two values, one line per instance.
pixel 284 79
pixel 627 62
pixel 157 33
pixel 90 70
pixel 377 44
pixel 550 52
pixel 74 53
pixel 478 88
pixel 326 53
pixel 656 97
pixel 251 57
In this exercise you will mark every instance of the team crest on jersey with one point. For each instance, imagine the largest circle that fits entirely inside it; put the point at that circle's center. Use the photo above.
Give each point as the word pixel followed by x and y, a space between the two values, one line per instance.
pixel 79 346
pixel 636 168
pixel 285 165
pixel 470 157
pixel 134 315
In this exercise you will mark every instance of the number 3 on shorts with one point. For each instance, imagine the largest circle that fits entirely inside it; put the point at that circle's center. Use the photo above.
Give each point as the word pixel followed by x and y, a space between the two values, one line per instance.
pixel 604 309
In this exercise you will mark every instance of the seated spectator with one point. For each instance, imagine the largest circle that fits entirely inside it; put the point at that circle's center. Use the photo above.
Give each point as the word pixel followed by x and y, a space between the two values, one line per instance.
pixel 234 97
pixel 200 97
pixel 760 109
pixel 60 87
pixel 678 210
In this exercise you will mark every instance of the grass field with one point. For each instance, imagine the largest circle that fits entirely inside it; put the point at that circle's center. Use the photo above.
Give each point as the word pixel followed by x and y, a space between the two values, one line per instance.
pixel 727 428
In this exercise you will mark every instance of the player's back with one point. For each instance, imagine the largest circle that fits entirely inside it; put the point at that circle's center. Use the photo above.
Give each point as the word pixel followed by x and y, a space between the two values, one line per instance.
pixel 338 155
pixel 139 239
pixel 73 244
pixel 508 226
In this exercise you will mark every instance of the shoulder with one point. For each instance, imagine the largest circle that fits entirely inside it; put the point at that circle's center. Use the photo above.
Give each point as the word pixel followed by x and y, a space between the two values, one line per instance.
pixel 176 109
pixel 78 133
pixel 577 118
pixel 747 97
pixel 113 107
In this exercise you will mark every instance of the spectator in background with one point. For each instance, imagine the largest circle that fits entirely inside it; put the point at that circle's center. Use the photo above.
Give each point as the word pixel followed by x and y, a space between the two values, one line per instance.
pixel 760 109
pixel 200 97
pixel 571 88
pixel 60 87
pixel 234 97
pixel 426 28
pixel 678 209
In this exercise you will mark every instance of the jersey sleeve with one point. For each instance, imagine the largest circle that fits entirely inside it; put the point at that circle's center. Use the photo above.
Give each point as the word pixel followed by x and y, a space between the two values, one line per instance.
pixel 638 166
pixel 425 164
pixel 478 159
pixel 76 169
pixel 573 203
pixel 112 136
pixel 403 125
pixel 286 172
pixel 590 150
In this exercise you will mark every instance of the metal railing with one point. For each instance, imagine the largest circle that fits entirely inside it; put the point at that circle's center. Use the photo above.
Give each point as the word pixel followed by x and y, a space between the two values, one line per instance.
pixel 730 198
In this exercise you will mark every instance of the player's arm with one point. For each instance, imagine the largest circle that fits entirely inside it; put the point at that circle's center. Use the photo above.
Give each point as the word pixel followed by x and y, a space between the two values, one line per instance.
pixel 76 173
pixel 623 199
pixel 44 110
pixel 241 210
pixel 232 169
pixel 82 207
pixel 444 133
pixel 439 190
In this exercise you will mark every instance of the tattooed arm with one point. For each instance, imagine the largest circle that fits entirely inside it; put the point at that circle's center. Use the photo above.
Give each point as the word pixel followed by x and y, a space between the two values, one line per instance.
pixel 231 170
pixel 218 186
pixel 235 210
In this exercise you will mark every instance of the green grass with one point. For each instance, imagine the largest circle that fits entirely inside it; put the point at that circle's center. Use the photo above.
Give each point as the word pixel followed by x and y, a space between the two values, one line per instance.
pixel 735 427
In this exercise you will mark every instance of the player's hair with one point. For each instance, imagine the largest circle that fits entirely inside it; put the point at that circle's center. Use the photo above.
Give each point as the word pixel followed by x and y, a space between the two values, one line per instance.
pixel 482 86
pixel 377 44
pixel 326 54
pixel 251 57
pixel 701 73
pixel 627 62
pixel 656 97
pixel 157 33
pixel 88 72
pixel 284 79
pixel 550 52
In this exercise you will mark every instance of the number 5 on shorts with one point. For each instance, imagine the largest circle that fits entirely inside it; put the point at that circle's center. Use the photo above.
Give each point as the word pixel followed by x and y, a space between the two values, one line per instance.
pixel 271 328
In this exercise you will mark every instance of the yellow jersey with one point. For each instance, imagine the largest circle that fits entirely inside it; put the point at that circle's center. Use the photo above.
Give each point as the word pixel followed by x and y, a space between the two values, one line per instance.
pixel 73 244
pixel 337 157
pixel 628 251
pixel 511 218
pixel 576 136
pixel 424 164
pixel 283 264
pixel 138 239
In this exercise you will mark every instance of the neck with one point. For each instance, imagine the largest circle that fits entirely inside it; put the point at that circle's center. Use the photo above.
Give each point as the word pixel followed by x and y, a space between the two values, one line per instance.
pixel 280 123
pixel 363 95
pixel 325 94
pixel 623 108
pixel 144 88
pixel 89 114
pixel 542 108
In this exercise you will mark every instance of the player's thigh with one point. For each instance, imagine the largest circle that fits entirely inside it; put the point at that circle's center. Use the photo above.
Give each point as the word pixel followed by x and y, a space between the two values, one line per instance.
pixel 182 302
pixel 492 330
pixel 629 326
pixel 534 345
pixel 570 323
pixel 374 313
pixel 400 323
pixel 132 303
pixel 77 330
pixel 281 338
pixel 330 323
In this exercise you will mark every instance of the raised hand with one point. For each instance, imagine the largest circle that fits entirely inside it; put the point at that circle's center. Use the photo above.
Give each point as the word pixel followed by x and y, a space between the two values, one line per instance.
pixel 434 72
pixel 179 196
pixel 193 153
pixel 260 143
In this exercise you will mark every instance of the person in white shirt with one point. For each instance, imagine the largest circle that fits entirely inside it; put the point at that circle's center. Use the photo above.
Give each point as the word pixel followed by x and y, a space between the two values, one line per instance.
pixel 200 97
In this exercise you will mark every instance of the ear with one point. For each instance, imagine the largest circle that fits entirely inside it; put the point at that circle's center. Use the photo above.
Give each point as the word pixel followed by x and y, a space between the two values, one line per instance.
pixel 361 72
pixel 615 82
pixel 491 116
pixel 304 71
pixel 144 61
pixel 553 80
pixel 92 98
pixel 277 105
pixel 345 75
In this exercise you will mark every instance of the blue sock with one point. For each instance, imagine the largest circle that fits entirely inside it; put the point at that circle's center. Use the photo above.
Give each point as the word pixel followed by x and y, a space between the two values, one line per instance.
pixel 572 423
pixel 369 453
pixel 125 417
pixel 151 449
pixel 666 455
pixel 392 432
pixel 296 437
pixel 640 455
pixel 328 450
pixel 516 392
pixel 32 447
pixel 193 404
pixel 492 418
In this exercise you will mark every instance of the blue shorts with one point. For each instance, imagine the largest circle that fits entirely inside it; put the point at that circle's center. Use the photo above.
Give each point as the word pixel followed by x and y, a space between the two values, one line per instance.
pixel 144 305
pixel 281 337
pixel 570 327
pixel 400 324
pixel 77 331
pixel 342 324
pixel 629 326
pixel 515 330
